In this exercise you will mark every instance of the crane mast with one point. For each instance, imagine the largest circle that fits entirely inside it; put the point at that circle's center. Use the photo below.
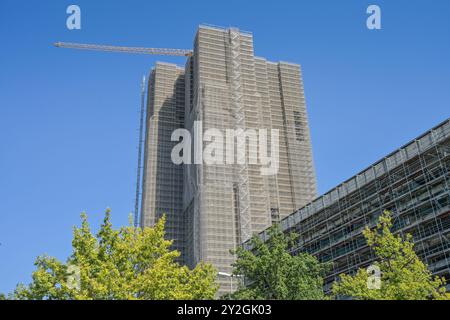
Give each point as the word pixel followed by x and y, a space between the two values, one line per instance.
pixel 139 165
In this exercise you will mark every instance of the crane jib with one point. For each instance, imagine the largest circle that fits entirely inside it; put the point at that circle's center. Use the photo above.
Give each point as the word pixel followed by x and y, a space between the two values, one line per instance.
pixel 138 50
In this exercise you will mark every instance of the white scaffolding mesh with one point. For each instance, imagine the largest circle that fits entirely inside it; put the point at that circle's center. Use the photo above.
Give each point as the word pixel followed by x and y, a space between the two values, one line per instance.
pixel 217 207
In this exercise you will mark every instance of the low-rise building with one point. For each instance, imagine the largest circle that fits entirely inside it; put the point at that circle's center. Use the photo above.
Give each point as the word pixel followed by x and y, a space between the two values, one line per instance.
pixel 412 182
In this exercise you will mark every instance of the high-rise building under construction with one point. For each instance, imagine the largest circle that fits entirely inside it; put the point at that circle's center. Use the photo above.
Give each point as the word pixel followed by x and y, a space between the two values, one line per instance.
pixel 212 208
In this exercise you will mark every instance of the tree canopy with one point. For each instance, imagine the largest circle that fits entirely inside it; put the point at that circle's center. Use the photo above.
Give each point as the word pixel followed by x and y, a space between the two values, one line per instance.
pixel 271 272
pixel 403 275
pixel 129 263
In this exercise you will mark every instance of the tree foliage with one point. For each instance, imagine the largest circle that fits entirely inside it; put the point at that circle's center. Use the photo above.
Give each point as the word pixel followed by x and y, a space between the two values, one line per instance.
pixel 403 275
pixel 271 272
pixel 129 263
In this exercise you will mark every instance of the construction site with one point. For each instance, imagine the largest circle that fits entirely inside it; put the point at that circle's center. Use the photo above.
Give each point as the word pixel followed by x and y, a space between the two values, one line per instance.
pixel 212 209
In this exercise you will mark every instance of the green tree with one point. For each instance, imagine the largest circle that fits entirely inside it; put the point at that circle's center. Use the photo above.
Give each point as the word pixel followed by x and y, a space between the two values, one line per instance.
pixel 2 296
pixel 129 263
pixel 403 275
pixel 271 272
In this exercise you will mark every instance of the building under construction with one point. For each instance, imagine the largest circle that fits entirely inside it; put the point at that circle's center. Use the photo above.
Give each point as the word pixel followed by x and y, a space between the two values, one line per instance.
pixel 211 209
pixel 413 183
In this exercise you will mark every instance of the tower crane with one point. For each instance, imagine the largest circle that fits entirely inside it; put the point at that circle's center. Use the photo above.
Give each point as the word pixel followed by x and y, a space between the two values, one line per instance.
pixel 136 50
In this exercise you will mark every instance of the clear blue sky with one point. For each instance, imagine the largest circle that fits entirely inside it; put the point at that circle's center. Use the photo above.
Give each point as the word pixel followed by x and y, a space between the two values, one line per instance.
pixel 69 119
